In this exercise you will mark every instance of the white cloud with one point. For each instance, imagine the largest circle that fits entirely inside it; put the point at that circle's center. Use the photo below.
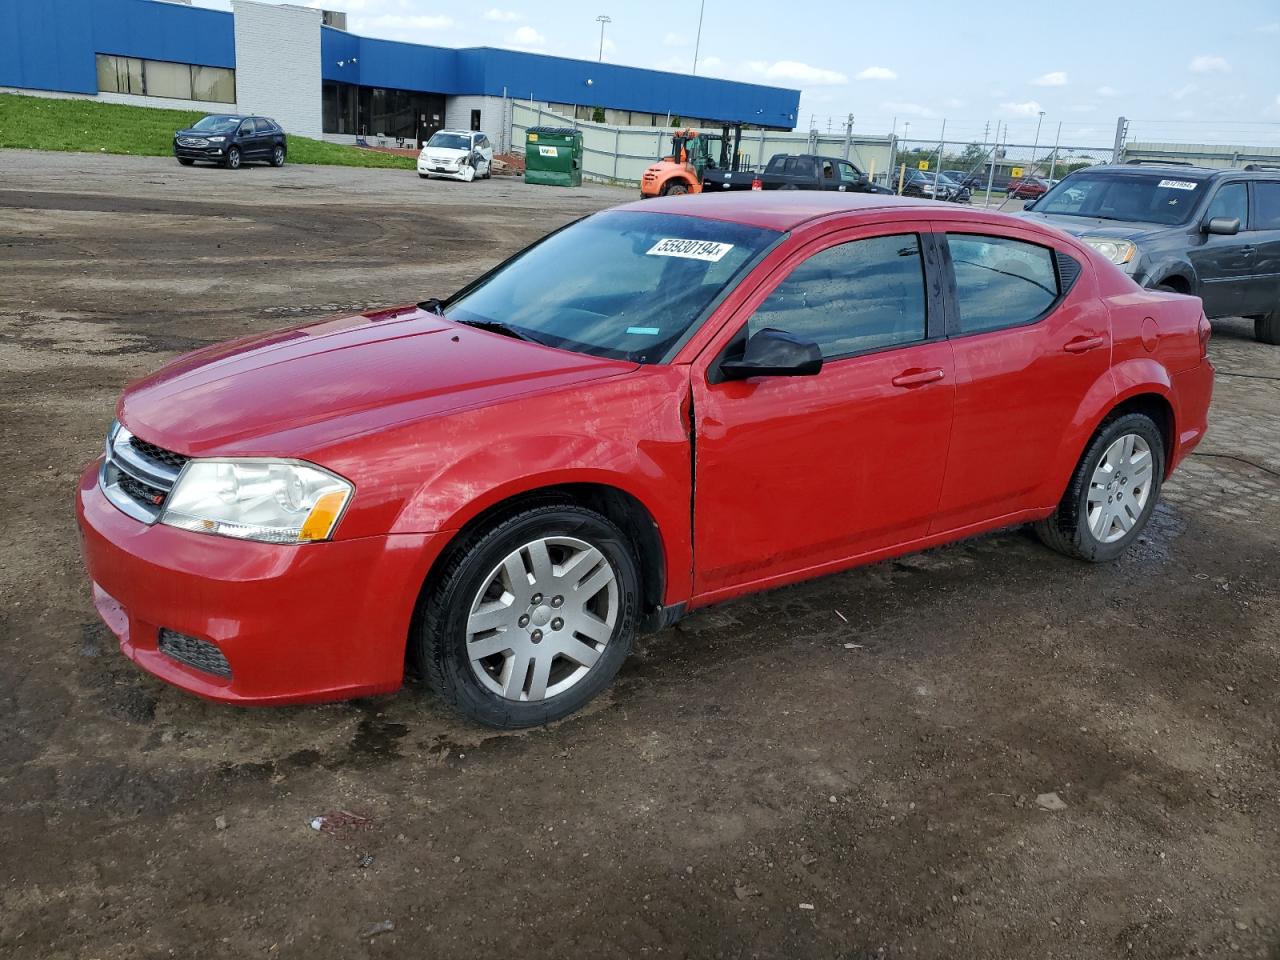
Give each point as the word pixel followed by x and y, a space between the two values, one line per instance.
pixel 675 40
pixel 1028 108
pixel 526 37
pixel 502 16
pixel 398 26
pixel 906 109
pixel 877 73
pixel 1056 78
pixel 1270 27
pixel 1184 91
pixel 953 103
pixel 793 71
pixel 1107 92
pixel 1082 108
pixel 1207 63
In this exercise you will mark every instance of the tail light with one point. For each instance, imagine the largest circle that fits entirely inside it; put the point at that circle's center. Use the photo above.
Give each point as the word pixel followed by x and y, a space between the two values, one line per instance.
pixel 757 184
pixel 1205 331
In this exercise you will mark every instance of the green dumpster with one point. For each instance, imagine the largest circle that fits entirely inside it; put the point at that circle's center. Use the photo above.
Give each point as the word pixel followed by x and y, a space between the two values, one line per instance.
pixel 553 156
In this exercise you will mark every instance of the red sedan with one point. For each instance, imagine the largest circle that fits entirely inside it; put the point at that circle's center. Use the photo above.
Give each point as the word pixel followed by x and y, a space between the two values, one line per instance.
pixel 660 407
pixel 1027 188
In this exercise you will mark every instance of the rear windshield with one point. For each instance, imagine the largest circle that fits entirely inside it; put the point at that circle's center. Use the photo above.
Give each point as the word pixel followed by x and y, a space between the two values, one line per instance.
pixel 1145 198
pixel 629 286
pixel 450 141
pixel 217 124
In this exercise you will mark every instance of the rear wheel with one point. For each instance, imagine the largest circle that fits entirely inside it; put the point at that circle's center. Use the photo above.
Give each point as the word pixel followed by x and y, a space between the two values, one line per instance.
pixel 233 158
pixel 277 156
pixel 531 618
pixel 1267 328
pixel 675 188
pixel 1112 492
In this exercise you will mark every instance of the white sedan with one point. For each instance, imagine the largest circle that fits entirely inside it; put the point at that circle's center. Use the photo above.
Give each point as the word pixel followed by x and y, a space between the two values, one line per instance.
pixel 456 154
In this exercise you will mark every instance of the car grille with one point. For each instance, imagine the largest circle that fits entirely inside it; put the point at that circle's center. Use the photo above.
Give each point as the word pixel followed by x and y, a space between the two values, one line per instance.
pixel 200 654
pixel 137 476
pixel 192 142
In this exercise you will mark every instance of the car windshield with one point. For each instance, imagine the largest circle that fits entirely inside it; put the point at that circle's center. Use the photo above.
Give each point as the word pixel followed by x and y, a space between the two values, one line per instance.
pixel 625 285
pixel 1130 197
pixel 946 181
pixel 217 124
pixel 450 141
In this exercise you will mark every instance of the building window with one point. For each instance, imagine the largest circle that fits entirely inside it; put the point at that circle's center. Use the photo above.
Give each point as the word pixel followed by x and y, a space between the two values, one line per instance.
pixel 475 119
pixel 160 78
pixel 380 112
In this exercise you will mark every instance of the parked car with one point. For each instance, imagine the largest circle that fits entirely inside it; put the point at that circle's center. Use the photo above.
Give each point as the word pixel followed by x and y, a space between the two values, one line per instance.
pixel 1027 187
pixel 804 171
pixel 230 140
pixel 662 406
pixel 971 179
pixel 929 186
pixel 1199 230
pixel 456 155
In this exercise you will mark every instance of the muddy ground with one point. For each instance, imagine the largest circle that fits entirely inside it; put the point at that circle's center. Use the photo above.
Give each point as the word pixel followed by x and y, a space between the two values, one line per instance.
pixel 870 745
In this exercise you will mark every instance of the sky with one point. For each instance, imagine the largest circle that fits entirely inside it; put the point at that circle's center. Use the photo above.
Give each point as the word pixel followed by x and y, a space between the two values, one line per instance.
pixel 1190 72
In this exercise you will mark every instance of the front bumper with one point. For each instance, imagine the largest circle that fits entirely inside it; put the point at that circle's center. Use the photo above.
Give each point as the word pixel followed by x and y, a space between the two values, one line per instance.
pixel 450 173
pixel 199 153
pixel 296 624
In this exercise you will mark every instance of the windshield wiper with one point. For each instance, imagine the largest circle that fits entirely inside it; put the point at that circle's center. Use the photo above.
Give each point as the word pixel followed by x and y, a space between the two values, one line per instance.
pixel 497 326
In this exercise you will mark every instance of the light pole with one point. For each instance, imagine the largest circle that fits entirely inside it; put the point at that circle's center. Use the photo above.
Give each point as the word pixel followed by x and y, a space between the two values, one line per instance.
pixel 697 40
pixel 602 20
pixel 1037 144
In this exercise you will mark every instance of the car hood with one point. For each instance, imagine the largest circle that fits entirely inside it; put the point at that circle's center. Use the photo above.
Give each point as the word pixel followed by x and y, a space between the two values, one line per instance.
pixel 1094 227
pixel 201 133
pixel 287 393
pixel 445 153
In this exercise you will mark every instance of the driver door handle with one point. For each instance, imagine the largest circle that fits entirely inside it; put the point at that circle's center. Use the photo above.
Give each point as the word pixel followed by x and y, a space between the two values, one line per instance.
pixel 918 378
pixel 1081 344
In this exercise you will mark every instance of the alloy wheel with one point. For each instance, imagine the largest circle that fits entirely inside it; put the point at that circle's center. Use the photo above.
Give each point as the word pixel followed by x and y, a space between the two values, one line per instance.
pixel 1119 488
pixel 542 618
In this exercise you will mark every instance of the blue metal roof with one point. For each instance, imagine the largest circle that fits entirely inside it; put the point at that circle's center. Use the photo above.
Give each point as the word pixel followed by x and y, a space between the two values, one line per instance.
pixel 52 43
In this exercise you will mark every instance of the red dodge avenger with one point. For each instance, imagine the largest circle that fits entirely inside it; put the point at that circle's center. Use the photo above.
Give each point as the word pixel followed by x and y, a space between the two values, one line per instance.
pixel 659 407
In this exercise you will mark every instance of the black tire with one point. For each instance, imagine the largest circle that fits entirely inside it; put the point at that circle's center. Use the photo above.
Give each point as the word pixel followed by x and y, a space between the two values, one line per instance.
pixel 424 176
pixel 1164 288
pixel 675 188
pixel 1066 530
pixel 278 155
pixel 186 161
pixel 1266 329
pixel 440 633
pixel 233 158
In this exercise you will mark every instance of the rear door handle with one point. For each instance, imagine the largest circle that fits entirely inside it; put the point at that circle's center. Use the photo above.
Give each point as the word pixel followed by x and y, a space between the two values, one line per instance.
pixel 918 378
pixel 1081 344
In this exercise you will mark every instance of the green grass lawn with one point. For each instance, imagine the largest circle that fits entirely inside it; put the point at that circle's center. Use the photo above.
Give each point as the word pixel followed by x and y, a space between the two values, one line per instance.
pixel 39 123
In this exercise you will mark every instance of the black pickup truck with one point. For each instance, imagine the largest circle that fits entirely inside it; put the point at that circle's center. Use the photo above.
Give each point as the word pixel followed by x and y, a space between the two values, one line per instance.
pixel 787 172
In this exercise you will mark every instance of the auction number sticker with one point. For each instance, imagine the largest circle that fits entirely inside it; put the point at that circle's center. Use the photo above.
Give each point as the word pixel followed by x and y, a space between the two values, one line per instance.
pixel 1178 184
pixel 690 249
pixel 547 151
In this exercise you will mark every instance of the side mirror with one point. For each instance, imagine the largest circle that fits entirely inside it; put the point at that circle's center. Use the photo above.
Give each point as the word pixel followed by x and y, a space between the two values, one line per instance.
pixel 774 353
pixel 1224 226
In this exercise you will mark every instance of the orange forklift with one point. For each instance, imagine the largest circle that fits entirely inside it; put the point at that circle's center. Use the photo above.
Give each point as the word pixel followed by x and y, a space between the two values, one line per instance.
pixel 692 154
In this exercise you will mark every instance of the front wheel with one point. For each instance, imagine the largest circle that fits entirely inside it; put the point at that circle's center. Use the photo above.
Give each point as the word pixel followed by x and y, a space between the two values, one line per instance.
pixel 186 161
pixel 233 158
pixel 1112 492
pixel 675 188
pixel 531 618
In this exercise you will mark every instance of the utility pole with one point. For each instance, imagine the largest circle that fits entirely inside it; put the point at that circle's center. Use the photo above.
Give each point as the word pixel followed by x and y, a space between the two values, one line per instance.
pixel 937 160
pixel 1036 146
pixel 995 150
pixel 697 43
pixel 1053 164
pixel 848 135
pixel 1122 131
pixel 602 20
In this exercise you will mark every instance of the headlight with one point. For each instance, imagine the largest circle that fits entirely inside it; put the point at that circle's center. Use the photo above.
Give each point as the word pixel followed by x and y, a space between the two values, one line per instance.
pixel 275 501
pixel 1117 251
pixel 217 139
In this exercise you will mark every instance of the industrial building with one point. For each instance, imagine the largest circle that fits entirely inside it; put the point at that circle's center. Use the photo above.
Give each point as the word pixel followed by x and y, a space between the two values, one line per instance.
pixel 299 66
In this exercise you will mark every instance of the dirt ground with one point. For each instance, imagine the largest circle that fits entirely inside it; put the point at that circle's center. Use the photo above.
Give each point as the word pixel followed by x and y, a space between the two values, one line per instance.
pixel 846 768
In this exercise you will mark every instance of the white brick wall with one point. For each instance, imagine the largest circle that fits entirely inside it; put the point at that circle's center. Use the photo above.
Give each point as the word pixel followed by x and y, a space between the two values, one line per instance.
pixel 457 116
pixel 278 64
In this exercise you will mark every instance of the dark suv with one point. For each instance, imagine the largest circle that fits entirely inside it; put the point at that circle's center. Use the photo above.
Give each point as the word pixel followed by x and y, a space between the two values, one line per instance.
pixel 1199 230
pixel 230 140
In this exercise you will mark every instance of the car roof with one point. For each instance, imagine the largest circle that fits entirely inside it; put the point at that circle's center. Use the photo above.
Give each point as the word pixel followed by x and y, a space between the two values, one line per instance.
pixel 460 133
pixel 1186 172
pixel 788 209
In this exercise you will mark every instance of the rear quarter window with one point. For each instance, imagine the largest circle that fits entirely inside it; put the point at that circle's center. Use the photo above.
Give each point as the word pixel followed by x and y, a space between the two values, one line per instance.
pixel 1001 282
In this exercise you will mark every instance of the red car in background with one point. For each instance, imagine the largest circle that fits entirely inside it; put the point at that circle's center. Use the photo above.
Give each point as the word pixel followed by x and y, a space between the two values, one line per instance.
pixel 662 406
pixel 1025 188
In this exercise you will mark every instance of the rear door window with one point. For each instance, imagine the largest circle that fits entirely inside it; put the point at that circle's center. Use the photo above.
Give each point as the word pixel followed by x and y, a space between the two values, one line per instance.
pixel 1266 199
pixel 1001 282
pixel 857 296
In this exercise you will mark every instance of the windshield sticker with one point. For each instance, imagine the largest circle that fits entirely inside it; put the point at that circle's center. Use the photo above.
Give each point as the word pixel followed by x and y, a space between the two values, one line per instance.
pixel 690 249
pixel 647 331
pixel 1178 184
